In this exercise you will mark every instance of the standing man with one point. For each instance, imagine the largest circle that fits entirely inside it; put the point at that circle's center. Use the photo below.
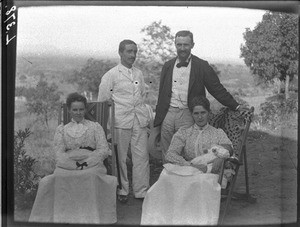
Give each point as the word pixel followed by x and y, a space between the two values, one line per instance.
pixel 125 85
pixel 183 78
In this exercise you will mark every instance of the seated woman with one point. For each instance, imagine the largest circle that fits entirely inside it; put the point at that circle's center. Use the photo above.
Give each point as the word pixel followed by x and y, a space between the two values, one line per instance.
pixel 187 191
pixel 197 140
pixel 79 190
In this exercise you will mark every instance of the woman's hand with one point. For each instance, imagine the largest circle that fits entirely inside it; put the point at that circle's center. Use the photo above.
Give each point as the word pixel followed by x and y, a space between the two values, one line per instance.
pixel 200 167
pixel 227 147
pixel 79 154
pixel 78 158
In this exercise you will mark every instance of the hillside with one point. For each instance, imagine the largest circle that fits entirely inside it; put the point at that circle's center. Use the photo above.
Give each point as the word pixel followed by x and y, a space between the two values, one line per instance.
pixel 57 68
pixel 54 69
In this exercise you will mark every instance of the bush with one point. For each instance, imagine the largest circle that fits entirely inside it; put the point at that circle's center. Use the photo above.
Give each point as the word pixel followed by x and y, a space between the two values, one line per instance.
pixel 276 110
pixel 44 101
pixel 239 93
pixel 25 179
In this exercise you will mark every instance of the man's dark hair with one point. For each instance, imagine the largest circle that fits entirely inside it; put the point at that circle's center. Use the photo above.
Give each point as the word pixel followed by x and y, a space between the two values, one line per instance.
pixel 185 33
pixel 199 101
pixel 124 43
pixel 75 97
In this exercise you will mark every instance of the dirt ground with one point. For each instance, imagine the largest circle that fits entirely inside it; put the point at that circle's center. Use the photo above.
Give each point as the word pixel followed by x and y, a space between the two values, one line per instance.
pixel 272 171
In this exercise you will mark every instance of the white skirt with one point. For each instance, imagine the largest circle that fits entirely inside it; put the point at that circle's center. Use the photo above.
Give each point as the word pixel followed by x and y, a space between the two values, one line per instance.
pixel 76 196
pixel 182 196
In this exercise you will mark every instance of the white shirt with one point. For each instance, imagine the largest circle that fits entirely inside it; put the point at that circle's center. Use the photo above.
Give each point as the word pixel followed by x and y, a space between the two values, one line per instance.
pixel 127 88
pixel 180 85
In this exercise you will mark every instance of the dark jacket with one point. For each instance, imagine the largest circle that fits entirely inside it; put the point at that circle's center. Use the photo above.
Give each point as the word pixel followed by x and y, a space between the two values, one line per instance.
pixel 202 76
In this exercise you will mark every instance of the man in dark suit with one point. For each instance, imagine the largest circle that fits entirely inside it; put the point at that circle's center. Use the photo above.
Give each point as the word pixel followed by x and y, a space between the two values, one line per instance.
pixel 183 78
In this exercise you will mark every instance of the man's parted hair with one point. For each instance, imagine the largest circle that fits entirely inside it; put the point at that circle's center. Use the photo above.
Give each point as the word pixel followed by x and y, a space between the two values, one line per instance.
pixel 75 97
pixel 124 43
pixel 199 101
pixel 185 33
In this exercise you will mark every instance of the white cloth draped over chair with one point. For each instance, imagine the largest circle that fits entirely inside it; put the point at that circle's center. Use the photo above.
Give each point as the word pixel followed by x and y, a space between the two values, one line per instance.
pixel 183 195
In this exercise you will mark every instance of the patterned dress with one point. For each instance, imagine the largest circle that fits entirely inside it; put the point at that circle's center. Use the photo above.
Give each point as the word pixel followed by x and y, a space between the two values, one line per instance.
pixel 188 143
pixel 79 191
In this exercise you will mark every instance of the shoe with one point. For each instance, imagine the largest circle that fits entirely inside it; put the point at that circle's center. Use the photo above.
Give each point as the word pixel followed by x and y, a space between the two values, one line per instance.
pixel 123 198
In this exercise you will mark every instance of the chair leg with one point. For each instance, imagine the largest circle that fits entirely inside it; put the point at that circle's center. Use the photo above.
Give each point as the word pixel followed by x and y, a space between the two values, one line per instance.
pixel 249 198
pixel 246 170
pixel 244 196
pixel 229 195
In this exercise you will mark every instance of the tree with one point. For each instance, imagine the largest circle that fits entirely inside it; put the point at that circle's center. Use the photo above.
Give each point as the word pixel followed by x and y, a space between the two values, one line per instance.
pixel 156 48
pixel 43 100
pixel 271 49
pixel 89 77
pixel 22 78
pixel 158 44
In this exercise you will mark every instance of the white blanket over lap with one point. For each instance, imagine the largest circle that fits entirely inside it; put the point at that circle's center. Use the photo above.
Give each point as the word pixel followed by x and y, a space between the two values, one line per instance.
pixel 182 195
pixel 83 196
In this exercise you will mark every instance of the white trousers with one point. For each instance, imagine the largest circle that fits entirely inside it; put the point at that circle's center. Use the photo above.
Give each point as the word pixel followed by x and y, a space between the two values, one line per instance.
pixel 137 137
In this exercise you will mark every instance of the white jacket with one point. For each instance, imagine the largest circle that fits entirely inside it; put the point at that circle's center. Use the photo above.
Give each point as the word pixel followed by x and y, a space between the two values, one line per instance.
pixel 128 93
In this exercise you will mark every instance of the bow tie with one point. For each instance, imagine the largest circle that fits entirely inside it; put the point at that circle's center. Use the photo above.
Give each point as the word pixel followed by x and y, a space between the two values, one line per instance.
pixel 81 165
pixel 182 64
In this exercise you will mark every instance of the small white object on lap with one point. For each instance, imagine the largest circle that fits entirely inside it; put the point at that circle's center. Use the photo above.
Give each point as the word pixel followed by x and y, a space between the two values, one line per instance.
pixel 214 152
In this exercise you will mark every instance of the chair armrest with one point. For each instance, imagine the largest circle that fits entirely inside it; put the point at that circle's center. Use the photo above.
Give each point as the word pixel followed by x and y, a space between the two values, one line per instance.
pixel 233 160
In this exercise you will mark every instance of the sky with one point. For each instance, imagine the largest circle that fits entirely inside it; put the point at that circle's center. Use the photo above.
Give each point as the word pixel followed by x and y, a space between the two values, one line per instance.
pixel 96 31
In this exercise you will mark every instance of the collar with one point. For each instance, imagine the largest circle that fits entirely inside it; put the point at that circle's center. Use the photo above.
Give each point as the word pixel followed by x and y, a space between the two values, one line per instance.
pixel 201 129
pixel 187 60
pixel 124 69
pixel 76 130
pixel 81 122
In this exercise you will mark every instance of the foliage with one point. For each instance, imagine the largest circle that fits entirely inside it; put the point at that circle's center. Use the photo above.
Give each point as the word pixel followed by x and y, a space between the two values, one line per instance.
pixel 23 78
pixel 215 105
pixel 276 110
pixel 156 48
pixel 43 100
pixel 239 93
pixel 25 179
pixel 158 45
pixel 89 76
pixel 24 91
pixel 271 49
